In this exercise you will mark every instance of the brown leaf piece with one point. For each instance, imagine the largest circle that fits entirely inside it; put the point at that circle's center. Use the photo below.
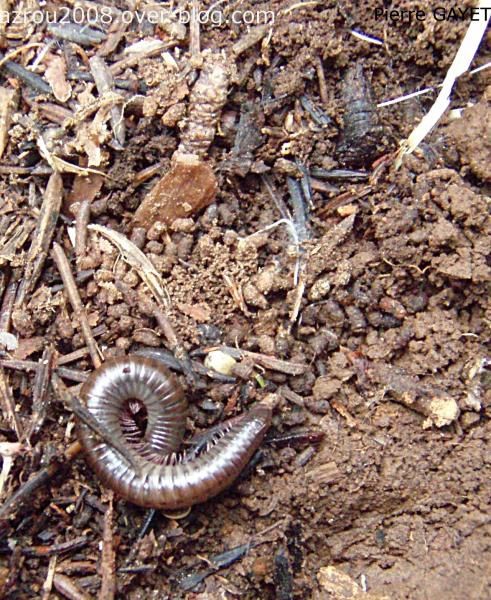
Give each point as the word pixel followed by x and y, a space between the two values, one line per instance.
pixel 189 186
pixel 7 104
pixel 56 77
pixel 84 188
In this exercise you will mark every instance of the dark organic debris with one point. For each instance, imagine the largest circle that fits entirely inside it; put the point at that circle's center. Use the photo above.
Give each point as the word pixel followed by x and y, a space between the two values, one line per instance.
pixel 362 132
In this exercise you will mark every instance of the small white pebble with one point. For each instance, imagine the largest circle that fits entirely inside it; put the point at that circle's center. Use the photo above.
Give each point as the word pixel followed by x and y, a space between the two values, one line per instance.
pixel 8 340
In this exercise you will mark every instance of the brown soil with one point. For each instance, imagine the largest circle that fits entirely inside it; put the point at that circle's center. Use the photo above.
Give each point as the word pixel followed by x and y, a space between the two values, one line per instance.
pixel 393 323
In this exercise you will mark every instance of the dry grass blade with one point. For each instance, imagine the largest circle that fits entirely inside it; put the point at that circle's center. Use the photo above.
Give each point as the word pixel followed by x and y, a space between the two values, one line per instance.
pixel 460 64
pixel 136 259
pixel 76 302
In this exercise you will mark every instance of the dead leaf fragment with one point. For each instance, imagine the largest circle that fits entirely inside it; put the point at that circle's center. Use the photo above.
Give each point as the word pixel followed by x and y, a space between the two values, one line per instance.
pixel 340 585
pixel 55 74
pixel 84 188
pixel 189 186
pixel 199 312
pixel 7 104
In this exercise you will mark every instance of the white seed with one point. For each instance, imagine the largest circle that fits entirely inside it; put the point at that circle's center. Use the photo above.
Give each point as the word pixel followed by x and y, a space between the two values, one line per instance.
pixel 220 361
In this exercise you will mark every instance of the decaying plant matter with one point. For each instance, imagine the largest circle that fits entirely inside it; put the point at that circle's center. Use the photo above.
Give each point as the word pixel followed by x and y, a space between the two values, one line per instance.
pixel 183 185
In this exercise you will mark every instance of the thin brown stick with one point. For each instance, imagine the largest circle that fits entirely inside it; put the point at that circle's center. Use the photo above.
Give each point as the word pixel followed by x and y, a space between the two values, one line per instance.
pixel 236 293
pixel 64 359
pixel 322 81
pixel 39 479
pixel 8 98
pixel 68 588
pixel 105 83
pixel 76 302
pixel 48 582
pixel 7 339
pixel 264 360
pixel 40 396
pixel 43 236
pixel 14 236
pixel 61 548
pixel 146 174
pixel 130 61
pixel 4 10
pixel 81 222
pixel 31 365
pixel 166 327
pixel 108 563
pixel 16 170
pixel 254 35
pixel 72 403
pixel 7 305
pixel 174 344
pixel 7 405
pixel 194 31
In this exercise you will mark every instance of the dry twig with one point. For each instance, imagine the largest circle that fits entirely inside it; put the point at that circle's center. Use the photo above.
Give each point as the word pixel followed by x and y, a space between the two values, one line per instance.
pixel 31 365
pixel 264 360
pixel 108 564
pixel 105 84
pixel 40 396
pixel 67 588
pixel 72 403
pixel 81 223
pixel 48 582
pixel 7 405
pixel 76 302
pixel 36 481
pixel 7 339
pixel 43 236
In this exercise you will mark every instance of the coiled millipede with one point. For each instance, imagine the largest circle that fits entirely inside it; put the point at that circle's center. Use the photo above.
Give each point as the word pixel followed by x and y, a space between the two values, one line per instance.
pixel 160 477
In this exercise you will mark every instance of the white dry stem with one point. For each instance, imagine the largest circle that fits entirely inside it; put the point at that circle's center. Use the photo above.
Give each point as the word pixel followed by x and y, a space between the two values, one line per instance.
pixel 132 255
pixel 8 341
pixel 300 5
pixel 460 64
pixel 290 225
pixel 8 451
pixel 366 38
pixel 143 46
pixel 426 90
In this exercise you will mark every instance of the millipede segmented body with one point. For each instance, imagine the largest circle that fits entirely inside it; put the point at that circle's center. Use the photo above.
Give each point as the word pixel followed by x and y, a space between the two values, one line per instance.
pixel 160 477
